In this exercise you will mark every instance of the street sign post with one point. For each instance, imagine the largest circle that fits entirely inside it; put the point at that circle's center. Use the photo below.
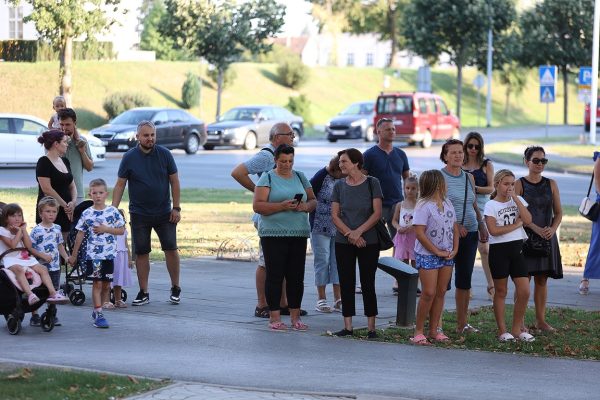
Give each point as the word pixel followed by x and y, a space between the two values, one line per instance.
pixel 547 88
pixel 585 84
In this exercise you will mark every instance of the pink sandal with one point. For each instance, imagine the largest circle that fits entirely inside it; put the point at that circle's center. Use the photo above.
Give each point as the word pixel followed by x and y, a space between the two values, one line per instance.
pixel 420 340
pixel 278 326
pixel 439 337
pixel 299 326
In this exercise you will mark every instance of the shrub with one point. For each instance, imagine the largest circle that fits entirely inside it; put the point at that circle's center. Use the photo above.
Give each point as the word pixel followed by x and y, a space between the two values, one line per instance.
pixel 34 50
pixel 300 105
pixel 228 77
pixel 190 91
pixel 292 72
pixel 119 102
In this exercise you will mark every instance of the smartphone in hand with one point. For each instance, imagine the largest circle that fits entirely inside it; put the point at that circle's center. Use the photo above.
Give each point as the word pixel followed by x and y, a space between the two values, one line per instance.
pixel 298 197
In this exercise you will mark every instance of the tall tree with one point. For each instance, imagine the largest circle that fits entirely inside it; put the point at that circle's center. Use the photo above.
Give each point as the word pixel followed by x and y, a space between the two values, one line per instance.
pixel 152 13
pixel 454 27
pixel 558 32
pixel 59 22
pixel 221 31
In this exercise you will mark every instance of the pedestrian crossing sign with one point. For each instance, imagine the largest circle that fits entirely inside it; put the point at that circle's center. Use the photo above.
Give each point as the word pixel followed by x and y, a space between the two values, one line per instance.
pixel 547 94
pixel 547 83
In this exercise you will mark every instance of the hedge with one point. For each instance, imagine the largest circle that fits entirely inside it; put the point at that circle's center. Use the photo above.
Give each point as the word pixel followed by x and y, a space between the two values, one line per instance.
pixel 35 50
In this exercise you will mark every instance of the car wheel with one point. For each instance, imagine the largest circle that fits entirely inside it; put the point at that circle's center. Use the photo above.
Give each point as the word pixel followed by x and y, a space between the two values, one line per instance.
pixel 332 140
pixel 587 127
pixel 426 142
pixel 209 147
pixel 192 143
pixel 296 137
pixel 250 141
pixel 455 134
pixel 370 134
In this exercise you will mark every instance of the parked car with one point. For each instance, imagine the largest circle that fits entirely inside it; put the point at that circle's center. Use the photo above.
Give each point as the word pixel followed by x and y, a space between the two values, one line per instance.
pixel 418 117
pixel 175 129
pixel 354 122
pixel 19 145
pixel 588 117
pixel 249 126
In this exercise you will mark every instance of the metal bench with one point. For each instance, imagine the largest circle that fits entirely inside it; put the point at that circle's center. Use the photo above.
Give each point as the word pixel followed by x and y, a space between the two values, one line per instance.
pixel 407 278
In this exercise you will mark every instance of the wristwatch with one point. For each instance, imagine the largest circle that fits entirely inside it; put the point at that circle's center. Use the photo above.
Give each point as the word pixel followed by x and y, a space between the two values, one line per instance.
pixel 177 209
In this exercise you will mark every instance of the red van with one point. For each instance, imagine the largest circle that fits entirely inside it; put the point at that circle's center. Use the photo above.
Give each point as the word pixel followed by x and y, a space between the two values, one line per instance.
pixel 588 117
pixel 418 117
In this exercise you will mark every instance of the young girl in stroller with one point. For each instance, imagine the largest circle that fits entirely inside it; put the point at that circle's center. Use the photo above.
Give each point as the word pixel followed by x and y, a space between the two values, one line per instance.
pixel 16 247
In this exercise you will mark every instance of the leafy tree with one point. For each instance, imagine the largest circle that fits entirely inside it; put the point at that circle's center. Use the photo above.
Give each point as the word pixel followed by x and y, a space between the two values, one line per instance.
pixel 457 28
pixel 59 22
pixel 152 13
pixel 221 32
pixel 558 32
pixel 382 17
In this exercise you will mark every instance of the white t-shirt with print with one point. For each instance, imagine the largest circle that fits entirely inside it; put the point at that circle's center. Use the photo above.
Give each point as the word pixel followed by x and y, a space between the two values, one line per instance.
pixel 46 240
pixel 505 214
pixel 100 246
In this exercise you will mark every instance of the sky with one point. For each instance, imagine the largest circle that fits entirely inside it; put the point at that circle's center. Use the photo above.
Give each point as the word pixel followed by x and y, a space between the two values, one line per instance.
pixel 297 17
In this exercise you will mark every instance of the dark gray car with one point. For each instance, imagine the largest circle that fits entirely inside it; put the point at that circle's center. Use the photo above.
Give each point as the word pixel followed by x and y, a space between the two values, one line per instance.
pixel 354 122
pixel 249 126
pixel 175 129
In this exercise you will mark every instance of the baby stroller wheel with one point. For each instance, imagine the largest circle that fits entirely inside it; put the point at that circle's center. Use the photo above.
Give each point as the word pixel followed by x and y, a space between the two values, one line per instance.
pixel 13 324
pixel 123 296
pixel 77 297
pixel 67 287
pixel 47 322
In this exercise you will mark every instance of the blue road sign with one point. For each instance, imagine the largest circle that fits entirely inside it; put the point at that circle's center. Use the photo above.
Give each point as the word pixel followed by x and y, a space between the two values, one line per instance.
pixel 547 75
pixel 585 76
pixel 547 94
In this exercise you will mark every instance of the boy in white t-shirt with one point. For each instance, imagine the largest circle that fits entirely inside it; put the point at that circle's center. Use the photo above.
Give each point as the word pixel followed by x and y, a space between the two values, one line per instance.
pixel 102 223
pixel 505 216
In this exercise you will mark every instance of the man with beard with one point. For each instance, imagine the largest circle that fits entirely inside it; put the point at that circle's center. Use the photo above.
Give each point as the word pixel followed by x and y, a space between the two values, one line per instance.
pixel 151 173
pixel 78 153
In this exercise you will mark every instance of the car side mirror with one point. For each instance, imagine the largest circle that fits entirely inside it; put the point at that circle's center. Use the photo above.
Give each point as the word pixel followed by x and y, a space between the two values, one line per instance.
pixel 158 122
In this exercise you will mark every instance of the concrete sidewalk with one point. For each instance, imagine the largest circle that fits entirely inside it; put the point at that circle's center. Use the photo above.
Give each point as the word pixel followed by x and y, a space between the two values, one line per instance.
pixel 213 347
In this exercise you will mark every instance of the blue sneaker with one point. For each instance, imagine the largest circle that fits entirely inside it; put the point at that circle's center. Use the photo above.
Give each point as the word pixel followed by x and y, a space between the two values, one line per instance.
pixel 100 321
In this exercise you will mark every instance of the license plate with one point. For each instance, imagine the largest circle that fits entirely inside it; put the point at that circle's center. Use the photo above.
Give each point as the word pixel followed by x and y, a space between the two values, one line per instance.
pixel 398 122
pixel 338 132
pixel 105 143
pixel 123 147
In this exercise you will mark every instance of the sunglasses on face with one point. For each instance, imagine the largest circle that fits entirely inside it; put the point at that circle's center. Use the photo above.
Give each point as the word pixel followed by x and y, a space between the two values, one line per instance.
pixel 536 161
pixel 472 146
pixel 286 134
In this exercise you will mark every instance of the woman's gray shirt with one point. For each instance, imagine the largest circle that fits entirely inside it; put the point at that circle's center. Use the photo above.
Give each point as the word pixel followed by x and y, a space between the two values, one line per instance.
pixel 356 206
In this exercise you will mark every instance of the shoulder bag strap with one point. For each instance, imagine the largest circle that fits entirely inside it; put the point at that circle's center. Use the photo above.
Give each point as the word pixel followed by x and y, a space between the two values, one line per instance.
pixel 370 191
pixel 462 221
pixel 591 183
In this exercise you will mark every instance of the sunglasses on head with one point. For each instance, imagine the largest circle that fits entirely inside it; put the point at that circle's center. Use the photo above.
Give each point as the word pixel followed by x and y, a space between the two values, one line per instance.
pixel 536 161
pixel 472 146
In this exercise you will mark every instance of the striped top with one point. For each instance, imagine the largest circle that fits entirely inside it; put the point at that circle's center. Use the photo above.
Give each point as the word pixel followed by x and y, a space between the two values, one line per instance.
pixel 456 194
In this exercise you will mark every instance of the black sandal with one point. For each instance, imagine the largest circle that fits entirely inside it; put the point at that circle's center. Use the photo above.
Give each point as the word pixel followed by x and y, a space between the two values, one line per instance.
pixel 262 312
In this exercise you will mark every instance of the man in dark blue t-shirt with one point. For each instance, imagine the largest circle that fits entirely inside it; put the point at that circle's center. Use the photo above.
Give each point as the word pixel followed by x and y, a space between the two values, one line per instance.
pixel 151 173
pixel 389 164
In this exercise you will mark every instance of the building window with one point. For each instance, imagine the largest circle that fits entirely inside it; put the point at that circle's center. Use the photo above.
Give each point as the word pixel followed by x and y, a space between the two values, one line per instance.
pixel 350 59
pixel 369 59
pixel 15 22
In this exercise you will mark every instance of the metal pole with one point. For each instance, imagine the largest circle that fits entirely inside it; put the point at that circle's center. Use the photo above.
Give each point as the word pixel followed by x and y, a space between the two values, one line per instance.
pixel 478 106
pixel 488 102
pixel 547 116
pixel 594 99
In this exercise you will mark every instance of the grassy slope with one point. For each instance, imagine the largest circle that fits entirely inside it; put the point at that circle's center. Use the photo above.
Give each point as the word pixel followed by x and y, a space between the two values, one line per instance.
pixel 29 88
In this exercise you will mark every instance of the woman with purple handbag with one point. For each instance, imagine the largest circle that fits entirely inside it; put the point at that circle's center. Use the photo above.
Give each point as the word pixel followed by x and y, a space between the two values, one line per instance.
pixel 592 264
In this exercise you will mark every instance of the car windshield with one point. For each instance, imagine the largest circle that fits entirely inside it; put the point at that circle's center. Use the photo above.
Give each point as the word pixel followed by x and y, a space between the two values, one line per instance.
pixel 240 114
pixel 394 105
pixel 358 108
pixel 133 117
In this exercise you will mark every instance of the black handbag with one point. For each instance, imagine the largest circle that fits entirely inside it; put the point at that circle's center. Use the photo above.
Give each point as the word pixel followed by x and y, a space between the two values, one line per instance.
pixel 383 236
pixel 535 245
pixel 589 208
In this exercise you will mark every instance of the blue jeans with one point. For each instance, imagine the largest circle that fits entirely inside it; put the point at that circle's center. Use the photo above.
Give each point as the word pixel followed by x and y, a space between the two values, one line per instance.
pixel 325 264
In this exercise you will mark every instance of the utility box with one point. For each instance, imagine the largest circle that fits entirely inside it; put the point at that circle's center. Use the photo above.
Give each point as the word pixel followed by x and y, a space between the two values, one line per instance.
pixel 407 278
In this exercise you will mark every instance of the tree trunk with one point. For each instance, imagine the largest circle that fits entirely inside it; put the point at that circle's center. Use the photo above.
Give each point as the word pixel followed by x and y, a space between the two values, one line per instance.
pixel 221 72
pixel 391 19
pixel 459 80
pixel 565 72
pixel 65 68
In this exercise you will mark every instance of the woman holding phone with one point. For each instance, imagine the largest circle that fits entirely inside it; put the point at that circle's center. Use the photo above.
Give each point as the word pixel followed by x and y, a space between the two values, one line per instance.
pixel 284 197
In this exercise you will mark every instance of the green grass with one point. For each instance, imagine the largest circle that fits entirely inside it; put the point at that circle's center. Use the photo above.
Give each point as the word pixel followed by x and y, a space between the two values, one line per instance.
pixel 575 328
pixel 330 89
pixel 65 384
pixel 212 216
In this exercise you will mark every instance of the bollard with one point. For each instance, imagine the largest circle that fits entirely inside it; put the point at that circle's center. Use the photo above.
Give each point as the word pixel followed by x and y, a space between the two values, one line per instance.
pixel 407 278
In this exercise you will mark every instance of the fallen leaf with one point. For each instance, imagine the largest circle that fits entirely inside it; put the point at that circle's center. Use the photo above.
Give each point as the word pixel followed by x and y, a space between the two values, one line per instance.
pixel 24 373
pixel 132 379
pixel 73 388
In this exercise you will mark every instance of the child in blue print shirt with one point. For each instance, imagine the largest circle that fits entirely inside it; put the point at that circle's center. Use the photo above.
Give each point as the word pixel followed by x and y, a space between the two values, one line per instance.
pixel 102 223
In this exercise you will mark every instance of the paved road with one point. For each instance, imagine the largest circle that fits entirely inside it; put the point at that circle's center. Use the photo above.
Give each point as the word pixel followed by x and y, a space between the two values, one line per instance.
pixel 211 169
pixel 212 337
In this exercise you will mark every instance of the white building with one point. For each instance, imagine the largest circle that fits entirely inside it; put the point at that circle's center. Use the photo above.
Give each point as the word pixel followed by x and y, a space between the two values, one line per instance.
pixel 347 50
pixel 124 33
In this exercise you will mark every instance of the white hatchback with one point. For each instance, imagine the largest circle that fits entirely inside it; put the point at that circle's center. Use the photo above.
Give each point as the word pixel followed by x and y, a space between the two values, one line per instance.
pixel 19 145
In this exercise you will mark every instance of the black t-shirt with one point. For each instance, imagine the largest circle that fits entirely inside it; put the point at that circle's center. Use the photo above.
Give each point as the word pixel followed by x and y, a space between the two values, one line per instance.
pixel 59 181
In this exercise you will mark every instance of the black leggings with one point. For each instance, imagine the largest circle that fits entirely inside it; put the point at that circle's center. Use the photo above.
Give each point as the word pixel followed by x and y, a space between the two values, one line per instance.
pixel 346 256
pixel 284 258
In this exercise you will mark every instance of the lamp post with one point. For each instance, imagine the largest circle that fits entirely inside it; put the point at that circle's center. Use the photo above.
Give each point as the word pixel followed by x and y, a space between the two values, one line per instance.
pixel 594 99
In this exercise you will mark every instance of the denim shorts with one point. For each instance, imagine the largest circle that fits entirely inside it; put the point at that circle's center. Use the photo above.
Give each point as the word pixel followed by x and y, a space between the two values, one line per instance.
pixel 141 228
pixel 99 270
pixel 427 261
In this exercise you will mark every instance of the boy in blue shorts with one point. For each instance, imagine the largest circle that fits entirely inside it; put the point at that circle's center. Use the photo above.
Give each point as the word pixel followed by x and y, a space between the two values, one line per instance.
pixel 101 223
